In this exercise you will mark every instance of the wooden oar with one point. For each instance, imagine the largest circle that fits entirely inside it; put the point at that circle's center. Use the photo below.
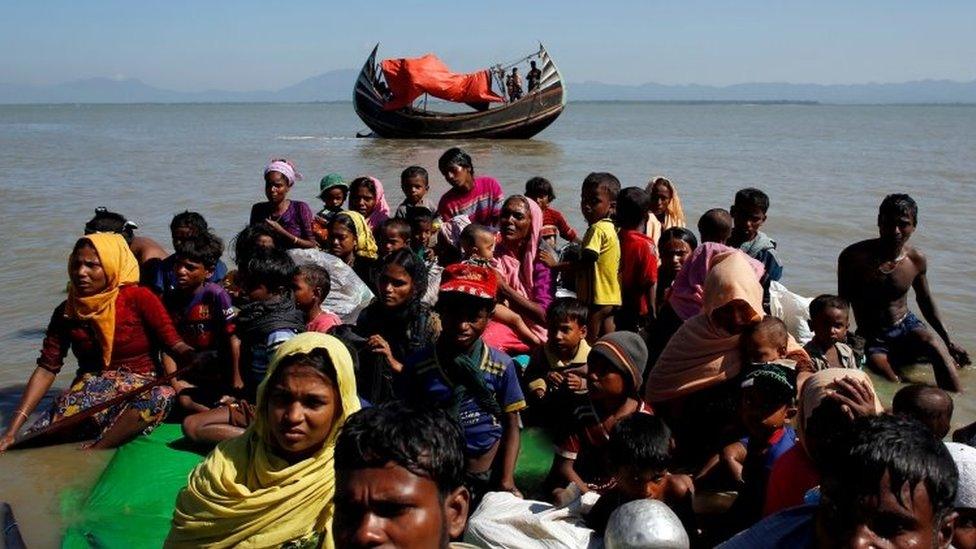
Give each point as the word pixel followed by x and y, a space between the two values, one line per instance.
pixel 45 435
pixel 11 532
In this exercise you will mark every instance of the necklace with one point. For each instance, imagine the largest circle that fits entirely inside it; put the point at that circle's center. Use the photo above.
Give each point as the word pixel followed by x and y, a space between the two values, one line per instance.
pixel 894 264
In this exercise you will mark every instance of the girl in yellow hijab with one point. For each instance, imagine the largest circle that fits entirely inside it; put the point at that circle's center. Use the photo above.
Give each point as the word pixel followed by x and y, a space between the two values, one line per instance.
pixel 351 240
pixel 274 484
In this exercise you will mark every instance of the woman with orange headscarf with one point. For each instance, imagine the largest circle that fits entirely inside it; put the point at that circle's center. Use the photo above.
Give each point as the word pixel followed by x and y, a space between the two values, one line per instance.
pixel 114 327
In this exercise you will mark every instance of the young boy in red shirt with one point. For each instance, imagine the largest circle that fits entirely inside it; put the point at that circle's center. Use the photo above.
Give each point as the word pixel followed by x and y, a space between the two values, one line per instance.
pixel 553 222
pixel 638 261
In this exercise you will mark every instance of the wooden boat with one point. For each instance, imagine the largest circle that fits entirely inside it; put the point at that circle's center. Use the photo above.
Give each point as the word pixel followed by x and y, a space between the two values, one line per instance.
pixel 520 119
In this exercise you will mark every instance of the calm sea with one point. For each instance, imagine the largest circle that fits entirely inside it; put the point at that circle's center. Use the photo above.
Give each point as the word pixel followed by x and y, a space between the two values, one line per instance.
pixel 826 168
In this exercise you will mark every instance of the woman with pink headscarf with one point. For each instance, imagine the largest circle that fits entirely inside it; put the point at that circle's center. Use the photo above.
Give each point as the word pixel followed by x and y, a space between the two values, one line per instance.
pixel 524 281
pixel 291 220
pixel 366 196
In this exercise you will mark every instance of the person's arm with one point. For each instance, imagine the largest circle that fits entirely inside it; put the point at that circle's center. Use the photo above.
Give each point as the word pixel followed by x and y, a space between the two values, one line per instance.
pixel 931 314
pixel 159 325
pixel 237 380
pixel 565 230
pixel 38 385
pixel 522 303
pixel 509 451
pixel 845 288
pixel 563 472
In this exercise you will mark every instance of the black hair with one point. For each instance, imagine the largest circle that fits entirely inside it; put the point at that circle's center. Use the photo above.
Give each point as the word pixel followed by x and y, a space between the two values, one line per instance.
pixel 110 222
pixel 470 233
pixel 827 301
pixel 416 214
pixel 318 359
pixel 399 225
pixel 317 277
pixel 346 222
pixel 920 402
pixel 901 447
pixel 271 267
pixel 413 171
pixel 633 203
pixel 414 266
pixel 678 233
pixel 605 180
pixel 205 248
pixel 245 243
pixel 752 198
pixel 567 308
pixel 425 441
pixel 895 205
pixel 455 157
pixel 641 441
pixel 539 186
pixel 714 223
pixel 362 182
pixel 190 220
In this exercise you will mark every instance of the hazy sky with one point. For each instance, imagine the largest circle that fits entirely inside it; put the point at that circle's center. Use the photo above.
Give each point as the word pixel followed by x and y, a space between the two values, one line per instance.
pixel 247 45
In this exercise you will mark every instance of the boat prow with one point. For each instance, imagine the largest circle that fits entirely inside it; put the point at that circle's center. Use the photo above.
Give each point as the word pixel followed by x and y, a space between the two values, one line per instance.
pixel 519 119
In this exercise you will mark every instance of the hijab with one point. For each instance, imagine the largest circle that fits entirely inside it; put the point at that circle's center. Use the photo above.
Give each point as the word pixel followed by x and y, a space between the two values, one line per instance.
pixel 522 265
pixel 818 387
pixel 381 210
pixel 285 168
pixel 687 292
pixel 701 353
pixel 365 241
pixel 244 495
pixel 121 269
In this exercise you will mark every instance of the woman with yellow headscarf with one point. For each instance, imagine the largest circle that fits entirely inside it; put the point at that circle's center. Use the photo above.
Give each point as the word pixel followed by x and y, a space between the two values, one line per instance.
pixel 351 240
pixel 274 485
pixel 114 328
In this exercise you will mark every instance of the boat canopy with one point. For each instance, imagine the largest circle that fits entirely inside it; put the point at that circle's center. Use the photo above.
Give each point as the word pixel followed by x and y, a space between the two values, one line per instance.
pixel 408 79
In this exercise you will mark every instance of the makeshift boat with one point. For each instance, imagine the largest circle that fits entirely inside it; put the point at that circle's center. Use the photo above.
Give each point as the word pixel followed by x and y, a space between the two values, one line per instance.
pixel 386 98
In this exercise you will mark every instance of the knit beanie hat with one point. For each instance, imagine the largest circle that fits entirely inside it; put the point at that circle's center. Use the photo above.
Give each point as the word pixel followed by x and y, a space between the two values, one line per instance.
pixel 626 351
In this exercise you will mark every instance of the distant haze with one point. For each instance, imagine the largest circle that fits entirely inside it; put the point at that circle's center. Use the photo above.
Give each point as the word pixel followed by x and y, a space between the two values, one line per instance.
pixel 337 86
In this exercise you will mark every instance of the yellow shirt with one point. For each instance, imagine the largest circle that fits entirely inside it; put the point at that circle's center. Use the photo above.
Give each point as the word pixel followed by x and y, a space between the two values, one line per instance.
pixel 600 283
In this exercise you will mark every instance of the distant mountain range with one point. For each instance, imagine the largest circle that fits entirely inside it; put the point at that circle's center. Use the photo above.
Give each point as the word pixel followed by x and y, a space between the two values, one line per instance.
pixel 337 86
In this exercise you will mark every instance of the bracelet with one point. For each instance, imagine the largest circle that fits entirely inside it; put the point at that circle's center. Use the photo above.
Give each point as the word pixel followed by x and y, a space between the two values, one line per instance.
pixel 23 413
pixel 295 241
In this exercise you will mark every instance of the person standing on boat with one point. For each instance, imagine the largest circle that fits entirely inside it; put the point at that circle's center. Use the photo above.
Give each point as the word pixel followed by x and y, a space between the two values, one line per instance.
pixel 875 276
pixel 534 77
pixel 290 219
pixel 514 84
pixel 115 329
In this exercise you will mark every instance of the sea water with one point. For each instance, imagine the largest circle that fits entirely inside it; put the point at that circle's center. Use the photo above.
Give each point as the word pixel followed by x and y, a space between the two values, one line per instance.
pixel 825 168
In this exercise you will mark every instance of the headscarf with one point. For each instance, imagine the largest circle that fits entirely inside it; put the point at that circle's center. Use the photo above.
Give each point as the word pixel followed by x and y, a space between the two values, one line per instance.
pixel 702 354
pixel 243 495
pixel 673 217
pixel 965 458
pixel 381 210
pixel 818 387
pixel 121 269
pixel 687 291
pixel 285 168
pixel 365 242
pixel 523 265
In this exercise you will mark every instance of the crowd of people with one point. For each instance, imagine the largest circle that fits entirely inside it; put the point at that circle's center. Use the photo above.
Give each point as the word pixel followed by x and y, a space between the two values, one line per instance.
pixel 364 375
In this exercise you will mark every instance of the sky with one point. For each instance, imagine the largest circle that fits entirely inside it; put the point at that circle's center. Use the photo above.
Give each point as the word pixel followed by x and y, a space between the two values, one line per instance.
pixel 247 45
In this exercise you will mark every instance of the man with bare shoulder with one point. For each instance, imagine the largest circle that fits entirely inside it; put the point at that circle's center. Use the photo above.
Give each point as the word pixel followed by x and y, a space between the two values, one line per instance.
pixel 875 276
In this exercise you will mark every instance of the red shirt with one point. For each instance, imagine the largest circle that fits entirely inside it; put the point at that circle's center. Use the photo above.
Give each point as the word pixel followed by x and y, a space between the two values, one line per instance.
pixel 638 269
pixel 553 222
pixel 142 327
pixel 793 474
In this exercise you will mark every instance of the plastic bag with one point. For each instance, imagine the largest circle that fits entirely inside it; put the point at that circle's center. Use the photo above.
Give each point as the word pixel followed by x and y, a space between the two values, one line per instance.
pixel 504 521
pixel 793 309
pixel 349 294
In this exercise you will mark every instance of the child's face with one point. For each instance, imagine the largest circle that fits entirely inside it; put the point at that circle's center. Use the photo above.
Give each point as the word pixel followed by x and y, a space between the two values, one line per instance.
pixel 605 381
pixel 595 203
pixel 761 348
pixel 565 336
pixel 182 234
pixel 256 291
pixel 414 189
pixel 660 199
pixel 762 413
pixel 458 177
pixel 636 484
pixel 395 287
pixel 460 328
pixel 391 241
pixel 342 241
pixel 483 247
pixel 334 197
pixel 420 233
pixel 830 326
pixel 362 200
pixel 674 253
pixel 190 274
pixel 748 220
pixel 306 297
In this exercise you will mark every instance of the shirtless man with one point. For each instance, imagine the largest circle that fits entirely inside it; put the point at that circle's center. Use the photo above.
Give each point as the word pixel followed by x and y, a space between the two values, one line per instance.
pixel 875 276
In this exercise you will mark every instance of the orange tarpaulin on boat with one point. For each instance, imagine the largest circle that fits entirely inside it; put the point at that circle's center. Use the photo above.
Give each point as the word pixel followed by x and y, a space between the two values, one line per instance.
pixel 408 79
